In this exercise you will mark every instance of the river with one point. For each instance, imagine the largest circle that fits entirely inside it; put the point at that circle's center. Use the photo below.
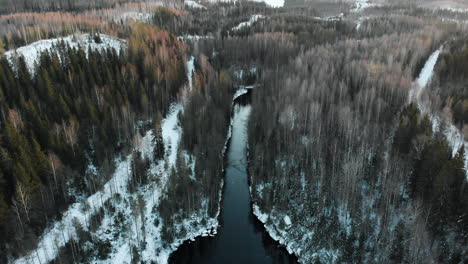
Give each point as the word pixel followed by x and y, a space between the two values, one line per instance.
pixel 241 237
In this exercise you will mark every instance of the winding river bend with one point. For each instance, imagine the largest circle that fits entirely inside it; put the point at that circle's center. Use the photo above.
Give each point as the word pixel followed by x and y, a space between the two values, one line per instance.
pixel 241 237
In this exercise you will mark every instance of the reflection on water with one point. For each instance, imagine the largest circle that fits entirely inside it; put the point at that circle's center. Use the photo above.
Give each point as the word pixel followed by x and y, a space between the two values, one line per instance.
pixel 241 238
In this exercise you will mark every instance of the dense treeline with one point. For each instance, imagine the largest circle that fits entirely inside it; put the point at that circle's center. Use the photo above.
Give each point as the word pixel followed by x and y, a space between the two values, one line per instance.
pixel 78 109
pixel 323 149
pixel 48 5
pixel 323 126
pixel 9 6
pixel 437 178
pixel 205 123
pixel 37 26
pixel 361 179
pixel 449 92
pixel 216 20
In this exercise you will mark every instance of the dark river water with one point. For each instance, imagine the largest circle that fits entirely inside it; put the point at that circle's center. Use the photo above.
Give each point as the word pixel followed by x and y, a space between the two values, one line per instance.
pixel 241 237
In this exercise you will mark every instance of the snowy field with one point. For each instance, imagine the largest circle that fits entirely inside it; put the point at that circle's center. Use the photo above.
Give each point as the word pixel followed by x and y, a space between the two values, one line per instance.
pixel 32 52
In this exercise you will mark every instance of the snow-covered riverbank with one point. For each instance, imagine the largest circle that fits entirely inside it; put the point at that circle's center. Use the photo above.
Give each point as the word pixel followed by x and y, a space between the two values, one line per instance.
pixel 128 218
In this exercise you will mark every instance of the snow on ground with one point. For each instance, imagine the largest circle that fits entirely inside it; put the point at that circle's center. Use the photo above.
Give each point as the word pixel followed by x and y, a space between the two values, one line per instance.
pixel 272 3
pixel 453 135
pixel 137 225
pixel 171 132
pixel 62 231
pixel 337 17
pixel 193 4
pixel 252 20
pixel 32 52
pixel 190 70
pixel 360 21
pixel 428 70
pixel 138 16
pixel 144 225
pixel 272 221
pixel 457 10
pixel 423 80
pixel 241 91
pixel 240 73
pixel 361 5
pixel 194 37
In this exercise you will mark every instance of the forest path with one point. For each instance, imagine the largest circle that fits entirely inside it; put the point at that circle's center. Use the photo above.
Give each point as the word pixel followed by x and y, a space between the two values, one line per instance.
pixel 453 135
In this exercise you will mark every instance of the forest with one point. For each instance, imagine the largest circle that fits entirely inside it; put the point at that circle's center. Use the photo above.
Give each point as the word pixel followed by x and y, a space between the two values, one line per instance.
pixel 364 174
pixel 77 110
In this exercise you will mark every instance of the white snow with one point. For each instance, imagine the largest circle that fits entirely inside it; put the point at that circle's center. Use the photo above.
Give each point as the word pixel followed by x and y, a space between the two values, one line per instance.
pixel 252 20
pixel 424 78
pixel 287 220
pixel 190 70
pixel 270 223
pixel 452 134
pixel 240 92
pixel 428 69
pixel 240 73
pixel 344 218
pixel 263 217
pixel 337 17
pixel 62 231
pixel 360 21
pixel 32 52
pixel 361 5
pixel 271 3
pixel 171 132
pixel 194 4
pixel 137 225
pixel 453 9
pixel 138 16
pixel 194 37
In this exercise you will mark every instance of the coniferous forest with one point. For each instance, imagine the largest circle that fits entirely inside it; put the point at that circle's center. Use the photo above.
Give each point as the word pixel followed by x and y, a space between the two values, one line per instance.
pixel 116 119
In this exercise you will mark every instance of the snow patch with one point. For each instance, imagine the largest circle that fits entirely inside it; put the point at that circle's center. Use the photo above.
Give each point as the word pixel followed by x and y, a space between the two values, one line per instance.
pixel 194 37
pixel 452 134
pixel 193 4
pixel 252 20
pixel 135 219
pixel 362 4
pixel 62 231
pixel 271 3
pixel 32 52
pixel 171 132
pixel 190 71
pixel 360 21
pixel 428 70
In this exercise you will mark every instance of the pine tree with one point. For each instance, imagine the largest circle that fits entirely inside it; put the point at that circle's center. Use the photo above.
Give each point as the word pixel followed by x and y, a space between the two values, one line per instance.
pixel 159 144
pixel 2 48
pixel 40 161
